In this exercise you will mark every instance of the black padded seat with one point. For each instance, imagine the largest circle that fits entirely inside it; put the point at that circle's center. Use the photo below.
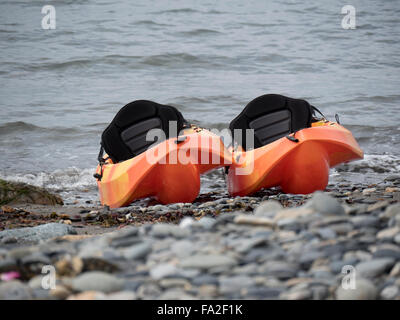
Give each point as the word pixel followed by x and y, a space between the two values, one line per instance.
pixel 272 116
pixel 125 137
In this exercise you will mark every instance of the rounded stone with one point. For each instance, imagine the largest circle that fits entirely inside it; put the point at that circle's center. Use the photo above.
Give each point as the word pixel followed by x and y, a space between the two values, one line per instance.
pixel 97 281
pixel 325 204
pixel 364 290
pixel 268 208
pixel 374 268
pixel 389 292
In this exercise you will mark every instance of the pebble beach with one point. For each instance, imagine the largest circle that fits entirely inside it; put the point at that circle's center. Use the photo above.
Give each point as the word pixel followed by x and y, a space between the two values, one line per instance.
pixel 267 246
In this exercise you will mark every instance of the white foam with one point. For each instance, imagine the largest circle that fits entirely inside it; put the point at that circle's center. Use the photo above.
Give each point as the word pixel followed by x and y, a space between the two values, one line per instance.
pixel 383 163
pixel 69 179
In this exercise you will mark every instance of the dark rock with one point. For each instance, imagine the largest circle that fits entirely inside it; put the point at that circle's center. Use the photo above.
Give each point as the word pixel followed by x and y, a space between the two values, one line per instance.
pixel 18 193
pixel 365 221
pixel 133 284
pixel 387 253
pixel 7 265
pixel 307 258
pixel 319 292
pixel 337 266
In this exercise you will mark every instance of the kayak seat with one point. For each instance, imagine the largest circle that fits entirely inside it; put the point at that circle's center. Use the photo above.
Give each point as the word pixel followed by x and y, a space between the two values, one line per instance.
pixel 271 116
pixel 125 137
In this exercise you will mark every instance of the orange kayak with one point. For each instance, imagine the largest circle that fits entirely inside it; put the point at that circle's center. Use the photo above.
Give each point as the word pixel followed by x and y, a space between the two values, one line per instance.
pixel 298 167
pixel 169 171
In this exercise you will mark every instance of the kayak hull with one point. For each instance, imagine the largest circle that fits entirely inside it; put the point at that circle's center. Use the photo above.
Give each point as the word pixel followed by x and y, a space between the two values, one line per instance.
pixel 169 172
pixel 300 167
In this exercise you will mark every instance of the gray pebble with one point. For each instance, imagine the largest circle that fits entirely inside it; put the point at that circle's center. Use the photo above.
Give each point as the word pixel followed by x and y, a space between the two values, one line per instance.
pixel 364 290
pixel 162 230
pixel 389 292
pixel 374 268
pixel 279 269
pixel 138 251
pixel 268 208
pixel 207 261
pixel 262 293
pixel 205 279
pixel 207 223
pixel 38 233
pixel 97 281
pixel 362 221
pixel 234 284
pixel 162 270
pixel 15 290
pixel 325 204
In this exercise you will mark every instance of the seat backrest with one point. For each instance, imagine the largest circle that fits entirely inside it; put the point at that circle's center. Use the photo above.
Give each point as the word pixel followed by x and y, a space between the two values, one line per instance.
pixel 125 137
pixel 272 116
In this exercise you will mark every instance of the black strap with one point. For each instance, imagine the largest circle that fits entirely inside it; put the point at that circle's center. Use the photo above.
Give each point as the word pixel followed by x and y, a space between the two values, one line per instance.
pixel 316 109
pixel 337 118
pixel 101 153
pixel 101 163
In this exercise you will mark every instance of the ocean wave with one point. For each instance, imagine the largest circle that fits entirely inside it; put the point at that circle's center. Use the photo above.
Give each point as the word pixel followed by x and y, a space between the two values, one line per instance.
pixel 200 32
pixel 70 179
pixel 178 10
pixel 17 126
pixel 22 127
pixel 377 99
pixel 382 164
pixel 178 60
pixel 134 62
pixel 150 23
